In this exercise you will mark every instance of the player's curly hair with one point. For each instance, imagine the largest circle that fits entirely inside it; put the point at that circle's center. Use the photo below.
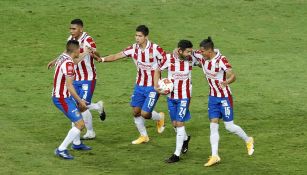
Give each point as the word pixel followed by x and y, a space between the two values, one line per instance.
pixel 184 44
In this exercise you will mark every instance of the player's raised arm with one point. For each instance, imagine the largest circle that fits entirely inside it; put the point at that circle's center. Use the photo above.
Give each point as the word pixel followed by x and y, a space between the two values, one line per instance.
pixel 114 57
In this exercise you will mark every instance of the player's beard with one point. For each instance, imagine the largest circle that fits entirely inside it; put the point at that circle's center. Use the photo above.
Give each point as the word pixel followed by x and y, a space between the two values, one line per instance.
pixel 182 57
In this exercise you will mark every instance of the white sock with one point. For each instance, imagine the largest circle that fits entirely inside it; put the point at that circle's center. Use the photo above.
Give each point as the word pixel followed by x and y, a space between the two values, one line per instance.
pixel 155 115
pixel 77 140
pixel 179 140
pixel 72 134
pixel 93 106
pixel 214 138
pixel 88 121
pixel 231 127
pixel 140 124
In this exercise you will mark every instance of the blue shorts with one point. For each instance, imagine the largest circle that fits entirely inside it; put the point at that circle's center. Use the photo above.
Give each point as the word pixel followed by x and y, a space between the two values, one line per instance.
pixel 68 107
pixel 85 89
pixel 179 109
pixel 144 98
pixel 220 107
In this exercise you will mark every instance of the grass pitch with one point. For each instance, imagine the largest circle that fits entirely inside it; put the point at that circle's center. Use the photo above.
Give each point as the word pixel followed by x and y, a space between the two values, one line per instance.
pixel 265 42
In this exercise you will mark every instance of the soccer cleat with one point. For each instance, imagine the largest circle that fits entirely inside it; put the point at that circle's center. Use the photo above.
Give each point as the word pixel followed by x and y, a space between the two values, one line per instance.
pixel 90 135
pixel 172 159
pixel 160 123
pixel 213 160
pixel 81 147
pixel 250 146
pixel 102 113
pixel 141 139
pixel 185 146
pixel 63 154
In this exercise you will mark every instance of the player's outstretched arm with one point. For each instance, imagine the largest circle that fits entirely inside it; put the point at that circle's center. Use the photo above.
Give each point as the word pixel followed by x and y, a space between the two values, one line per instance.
pixel 114 57
pixel 51 64
pixel 71 89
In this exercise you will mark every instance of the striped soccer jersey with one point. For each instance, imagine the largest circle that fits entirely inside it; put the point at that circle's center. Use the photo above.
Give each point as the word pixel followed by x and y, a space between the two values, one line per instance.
pixel 146 61
pixel 180 73
pixel 215 71
pixel 64 67
pixel 85 69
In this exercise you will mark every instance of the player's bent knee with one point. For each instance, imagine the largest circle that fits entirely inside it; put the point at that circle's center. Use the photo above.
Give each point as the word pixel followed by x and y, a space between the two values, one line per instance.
pixel 178 124
pixel 80 124
pixel 146 115
pixel 136 112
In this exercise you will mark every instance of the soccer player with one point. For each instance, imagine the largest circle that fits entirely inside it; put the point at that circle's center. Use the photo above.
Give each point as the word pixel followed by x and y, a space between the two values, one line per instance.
pixel 146 56
pixel 85 79
pixel 179 66
pixel 219 75
pixel 61 95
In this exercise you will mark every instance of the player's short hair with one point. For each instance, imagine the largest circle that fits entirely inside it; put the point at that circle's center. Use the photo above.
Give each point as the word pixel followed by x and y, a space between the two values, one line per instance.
pixel 142 28
pixel 184 44
pixel 77 22
pixel 207 43
pixel 72 45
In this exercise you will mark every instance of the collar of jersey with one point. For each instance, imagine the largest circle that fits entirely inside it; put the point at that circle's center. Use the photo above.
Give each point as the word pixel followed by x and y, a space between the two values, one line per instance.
pixel 147 45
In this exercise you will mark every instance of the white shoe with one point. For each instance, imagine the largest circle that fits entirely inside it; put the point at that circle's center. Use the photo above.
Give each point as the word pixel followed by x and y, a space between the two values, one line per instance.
pixel 90 135
pixel 100 103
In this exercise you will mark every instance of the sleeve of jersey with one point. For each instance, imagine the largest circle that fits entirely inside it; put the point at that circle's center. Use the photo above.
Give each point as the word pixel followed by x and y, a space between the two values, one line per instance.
pixel 160 53
pixel 68 69
pixel 128 51
pixel 225 64
pixel 89 42
pixel 164 63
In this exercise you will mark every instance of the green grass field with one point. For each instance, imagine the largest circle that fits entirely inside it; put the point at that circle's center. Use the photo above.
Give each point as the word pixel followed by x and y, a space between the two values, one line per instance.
pixel 265 41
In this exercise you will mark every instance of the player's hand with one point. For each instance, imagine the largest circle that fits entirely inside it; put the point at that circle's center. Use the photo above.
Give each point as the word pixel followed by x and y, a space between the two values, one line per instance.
pixel 223 84
pixel 160 91
pixel 50 64
pixel 82 106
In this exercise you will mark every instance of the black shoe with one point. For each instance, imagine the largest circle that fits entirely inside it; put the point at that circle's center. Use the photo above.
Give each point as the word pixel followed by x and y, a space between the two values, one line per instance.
pixel 172 159
pixel 102 116
pixel 185 146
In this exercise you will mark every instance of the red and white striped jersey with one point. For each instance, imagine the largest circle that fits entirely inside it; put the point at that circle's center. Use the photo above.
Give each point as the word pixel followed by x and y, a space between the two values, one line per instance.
pixel 85 69
pixel 180 73
pixel 215 71
pixel 64 68
pixel 146 61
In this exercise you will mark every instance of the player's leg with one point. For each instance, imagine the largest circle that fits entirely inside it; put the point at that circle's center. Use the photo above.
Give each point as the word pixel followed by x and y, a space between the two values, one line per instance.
pixel 85 92
pixel 137 100
pixel 178 117
pixel 147 109
pixel 227 113
pixel 99 107
pixel 214 115
pixel 69 108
